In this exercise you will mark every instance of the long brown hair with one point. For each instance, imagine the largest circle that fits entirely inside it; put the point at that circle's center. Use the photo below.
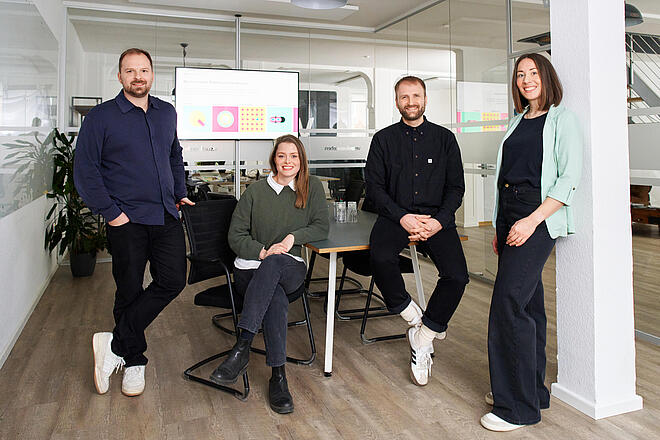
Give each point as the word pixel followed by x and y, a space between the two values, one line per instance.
pixel 302 178
pixel 551 90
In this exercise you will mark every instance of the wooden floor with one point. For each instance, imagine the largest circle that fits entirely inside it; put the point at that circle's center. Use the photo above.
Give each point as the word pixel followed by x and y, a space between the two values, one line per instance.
pixel 47 391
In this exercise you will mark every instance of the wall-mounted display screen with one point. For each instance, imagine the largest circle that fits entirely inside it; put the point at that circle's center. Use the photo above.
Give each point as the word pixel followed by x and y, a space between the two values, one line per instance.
pixel 235 104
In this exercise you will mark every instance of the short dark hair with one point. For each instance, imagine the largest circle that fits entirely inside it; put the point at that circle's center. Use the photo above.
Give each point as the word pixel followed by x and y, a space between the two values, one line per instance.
pixel 551 90
pixel 134 51
pixel 410 79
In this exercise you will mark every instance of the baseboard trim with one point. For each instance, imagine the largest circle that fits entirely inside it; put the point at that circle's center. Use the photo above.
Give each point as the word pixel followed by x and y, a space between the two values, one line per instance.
pixel 594 410
pixel 5 354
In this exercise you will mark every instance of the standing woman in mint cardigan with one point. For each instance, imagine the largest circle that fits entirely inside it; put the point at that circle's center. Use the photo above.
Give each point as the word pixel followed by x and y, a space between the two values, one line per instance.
pixel 271 222
pixel 538 169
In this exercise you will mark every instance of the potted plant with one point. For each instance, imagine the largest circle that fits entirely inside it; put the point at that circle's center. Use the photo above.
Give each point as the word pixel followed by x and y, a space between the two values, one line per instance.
pixel 71 224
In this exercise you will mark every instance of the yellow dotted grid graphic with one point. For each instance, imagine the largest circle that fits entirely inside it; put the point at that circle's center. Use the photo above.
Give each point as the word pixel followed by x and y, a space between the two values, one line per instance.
pixel 252 119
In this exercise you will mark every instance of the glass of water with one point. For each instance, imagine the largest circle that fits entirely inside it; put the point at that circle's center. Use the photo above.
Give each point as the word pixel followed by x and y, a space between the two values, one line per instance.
pixel 351 212
pixel 340 212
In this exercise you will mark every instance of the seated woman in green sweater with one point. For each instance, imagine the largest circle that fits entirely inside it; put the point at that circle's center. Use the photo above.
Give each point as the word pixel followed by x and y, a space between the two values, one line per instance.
pixel 272 220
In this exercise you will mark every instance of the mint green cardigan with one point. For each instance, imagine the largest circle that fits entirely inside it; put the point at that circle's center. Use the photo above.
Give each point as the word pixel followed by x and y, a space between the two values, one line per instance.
pixel 561 167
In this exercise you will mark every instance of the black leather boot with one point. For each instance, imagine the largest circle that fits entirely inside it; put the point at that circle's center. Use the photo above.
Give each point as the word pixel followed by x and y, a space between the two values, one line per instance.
pixel 234 365
pixel 278 392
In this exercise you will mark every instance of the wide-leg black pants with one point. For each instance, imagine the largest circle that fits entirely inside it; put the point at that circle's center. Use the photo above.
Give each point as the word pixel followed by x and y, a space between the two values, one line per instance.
pixel 517 322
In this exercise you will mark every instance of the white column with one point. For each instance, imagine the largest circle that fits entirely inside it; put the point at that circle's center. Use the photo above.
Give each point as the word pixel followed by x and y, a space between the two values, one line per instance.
pixel 595 328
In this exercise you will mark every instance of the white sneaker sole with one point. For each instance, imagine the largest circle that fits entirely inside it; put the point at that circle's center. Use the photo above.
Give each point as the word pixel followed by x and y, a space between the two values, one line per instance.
pixel 412 375
pixel 97 349
pixel 499 425
pixel 489 398
pixel 131 393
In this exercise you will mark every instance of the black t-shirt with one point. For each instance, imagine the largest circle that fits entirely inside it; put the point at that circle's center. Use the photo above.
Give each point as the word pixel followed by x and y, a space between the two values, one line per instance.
pixel 522 154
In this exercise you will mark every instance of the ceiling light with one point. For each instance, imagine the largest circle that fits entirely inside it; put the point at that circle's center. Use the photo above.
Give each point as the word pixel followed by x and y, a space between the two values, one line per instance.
pixel 319 4
pixel 633 15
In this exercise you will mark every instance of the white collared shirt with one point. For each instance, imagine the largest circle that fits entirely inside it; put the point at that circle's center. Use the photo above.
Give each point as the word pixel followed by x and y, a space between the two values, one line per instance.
pixel 240 263
pixel 277 187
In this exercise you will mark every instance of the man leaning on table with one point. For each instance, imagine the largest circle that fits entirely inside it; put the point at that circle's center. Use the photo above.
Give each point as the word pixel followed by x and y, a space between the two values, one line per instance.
pixel 414 175
pixel 129 168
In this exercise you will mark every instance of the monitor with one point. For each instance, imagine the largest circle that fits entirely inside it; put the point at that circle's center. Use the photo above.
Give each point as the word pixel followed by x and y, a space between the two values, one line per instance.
pixel 235 104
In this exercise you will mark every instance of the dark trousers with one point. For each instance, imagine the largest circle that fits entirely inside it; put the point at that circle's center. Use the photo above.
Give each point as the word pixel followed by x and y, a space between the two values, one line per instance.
pixel 132 245
pixel 445 250
pixel 517 322
pixel 265 301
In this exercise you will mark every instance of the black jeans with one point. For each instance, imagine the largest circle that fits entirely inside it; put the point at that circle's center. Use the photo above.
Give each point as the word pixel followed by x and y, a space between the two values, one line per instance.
pixel 517 322
pixel 265 301
pixel 445 250
pixel 132 245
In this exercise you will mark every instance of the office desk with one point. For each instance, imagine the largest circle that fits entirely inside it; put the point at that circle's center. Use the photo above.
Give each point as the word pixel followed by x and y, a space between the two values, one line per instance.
pixel 347 237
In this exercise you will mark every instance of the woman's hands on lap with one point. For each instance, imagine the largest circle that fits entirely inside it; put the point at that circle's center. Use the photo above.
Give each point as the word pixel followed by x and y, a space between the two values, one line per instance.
pixel 282 247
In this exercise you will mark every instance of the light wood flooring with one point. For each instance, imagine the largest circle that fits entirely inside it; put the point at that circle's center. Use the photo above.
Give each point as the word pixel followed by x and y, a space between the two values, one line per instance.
pixel 47 391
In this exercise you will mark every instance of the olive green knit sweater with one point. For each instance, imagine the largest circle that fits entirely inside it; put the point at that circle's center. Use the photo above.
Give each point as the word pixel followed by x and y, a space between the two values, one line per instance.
pixel 263 218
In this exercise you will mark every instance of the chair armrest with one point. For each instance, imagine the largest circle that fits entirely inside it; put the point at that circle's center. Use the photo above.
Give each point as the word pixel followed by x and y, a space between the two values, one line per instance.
pixel 197 259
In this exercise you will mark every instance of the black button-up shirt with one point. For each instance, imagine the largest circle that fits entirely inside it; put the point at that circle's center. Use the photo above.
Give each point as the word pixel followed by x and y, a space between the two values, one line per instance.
pixel 415 170
pixel 128 160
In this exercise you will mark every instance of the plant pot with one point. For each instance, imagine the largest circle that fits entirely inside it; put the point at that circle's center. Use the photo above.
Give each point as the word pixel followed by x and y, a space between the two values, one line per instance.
pixel 82 265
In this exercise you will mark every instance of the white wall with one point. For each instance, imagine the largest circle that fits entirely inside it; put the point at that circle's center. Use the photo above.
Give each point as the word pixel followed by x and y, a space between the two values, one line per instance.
pixel 26 267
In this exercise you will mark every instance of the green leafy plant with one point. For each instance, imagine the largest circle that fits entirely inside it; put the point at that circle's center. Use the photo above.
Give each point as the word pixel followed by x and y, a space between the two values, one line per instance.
pixel 71 224
pixel 34 162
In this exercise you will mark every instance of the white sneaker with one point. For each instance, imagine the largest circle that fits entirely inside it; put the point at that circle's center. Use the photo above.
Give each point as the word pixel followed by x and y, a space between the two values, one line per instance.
pixel 493 423
pixel 133 383
pixel 417 320
pixel 420 359
pixel 105 361
pixel 489 398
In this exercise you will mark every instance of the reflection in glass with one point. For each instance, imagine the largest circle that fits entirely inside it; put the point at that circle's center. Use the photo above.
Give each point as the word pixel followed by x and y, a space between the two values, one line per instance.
pixel 28 105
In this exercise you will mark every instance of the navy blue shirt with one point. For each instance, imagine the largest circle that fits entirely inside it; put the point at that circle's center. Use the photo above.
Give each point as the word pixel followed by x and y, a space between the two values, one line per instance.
pixel 128 160
pixel 415 170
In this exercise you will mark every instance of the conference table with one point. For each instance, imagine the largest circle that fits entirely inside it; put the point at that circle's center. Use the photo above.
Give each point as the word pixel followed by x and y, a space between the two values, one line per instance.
pixel 347 237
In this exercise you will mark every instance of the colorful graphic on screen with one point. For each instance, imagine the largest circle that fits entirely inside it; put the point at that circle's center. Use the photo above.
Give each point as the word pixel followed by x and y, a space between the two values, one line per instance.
pixel 225 119
pixel 252 119
pixel 279 119
pixel 198 118
pixel 216 104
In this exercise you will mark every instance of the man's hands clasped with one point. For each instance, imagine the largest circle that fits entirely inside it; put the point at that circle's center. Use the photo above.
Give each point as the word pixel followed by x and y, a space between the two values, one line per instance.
pixel 420 227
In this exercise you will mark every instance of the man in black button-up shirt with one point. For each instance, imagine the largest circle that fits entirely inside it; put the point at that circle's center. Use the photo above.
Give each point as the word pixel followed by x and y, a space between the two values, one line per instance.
pixel 129 168
pixel 414 176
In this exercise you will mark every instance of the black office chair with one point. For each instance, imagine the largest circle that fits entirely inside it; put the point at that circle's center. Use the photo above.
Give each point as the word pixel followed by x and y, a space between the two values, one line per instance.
pixel 207 225
pixel 358 262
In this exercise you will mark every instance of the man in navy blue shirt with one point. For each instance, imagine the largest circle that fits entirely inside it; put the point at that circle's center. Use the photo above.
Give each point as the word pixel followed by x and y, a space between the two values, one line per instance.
pixel 414 176
pixel 129 168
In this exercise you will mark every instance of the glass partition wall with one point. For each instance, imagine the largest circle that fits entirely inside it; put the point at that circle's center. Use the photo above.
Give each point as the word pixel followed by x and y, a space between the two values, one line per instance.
pixel 28 104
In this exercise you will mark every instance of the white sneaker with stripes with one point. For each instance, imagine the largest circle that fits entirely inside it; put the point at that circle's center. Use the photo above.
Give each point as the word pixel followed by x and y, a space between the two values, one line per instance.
pixel 420 359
